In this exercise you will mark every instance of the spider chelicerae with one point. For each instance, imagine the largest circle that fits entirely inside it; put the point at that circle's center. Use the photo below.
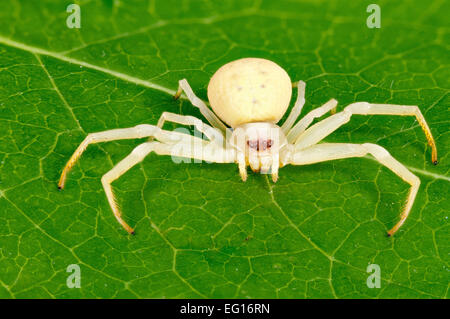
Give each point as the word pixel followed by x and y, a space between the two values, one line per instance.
pixel 251 95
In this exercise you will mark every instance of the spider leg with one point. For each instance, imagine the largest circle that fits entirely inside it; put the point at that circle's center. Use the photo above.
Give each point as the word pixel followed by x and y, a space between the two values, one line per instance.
pixel 303 124
pixel 332 151
pixel 136 156
pixel 211 133
pixel 320 130
pixel 212 118
pixel 138 131
pixel 142 150
pixel 297 108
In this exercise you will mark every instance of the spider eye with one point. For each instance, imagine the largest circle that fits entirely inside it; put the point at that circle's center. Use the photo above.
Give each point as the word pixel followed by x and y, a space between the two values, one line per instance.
pixel 253 144
pixel 260 144
pixel 266 144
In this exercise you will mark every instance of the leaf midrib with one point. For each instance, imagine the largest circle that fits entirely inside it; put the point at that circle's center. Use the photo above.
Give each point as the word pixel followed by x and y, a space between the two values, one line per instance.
pixel 123 76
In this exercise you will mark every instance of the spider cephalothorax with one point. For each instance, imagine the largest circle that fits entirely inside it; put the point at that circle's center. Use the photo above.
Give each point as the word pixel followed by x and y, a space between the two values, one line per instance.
pixel 251 95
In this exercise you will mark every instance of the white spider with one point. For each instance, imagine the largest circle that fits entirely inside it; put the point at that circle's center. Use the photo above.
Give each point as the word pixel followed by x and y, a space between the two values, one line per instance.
pixel 251 95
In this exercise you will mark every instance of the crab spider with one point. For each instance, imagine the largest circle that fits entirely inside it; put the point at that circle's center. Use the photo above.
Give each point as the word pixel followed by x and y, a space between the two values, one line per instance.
pixel 251 95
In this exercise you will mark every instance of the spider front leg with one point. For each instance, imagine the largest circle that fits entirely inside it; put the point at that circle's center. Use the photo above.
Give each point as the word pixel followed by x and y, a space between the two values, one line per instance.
pixel 189 148
pixel 332 151
pixel 320 130
pixel 212 118
pixel 139 131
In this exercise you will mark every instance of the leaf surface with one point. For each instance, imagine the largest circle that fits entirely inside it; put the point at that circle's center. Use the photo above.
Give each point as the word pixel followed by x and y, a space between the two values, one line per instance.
pixel 201 232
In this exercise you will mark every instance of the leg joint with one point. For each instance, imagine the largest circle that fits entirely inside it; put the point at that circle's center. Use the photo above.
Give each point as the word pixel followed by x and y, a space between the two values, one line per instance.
pixel 415 180
pixel 89 138
pixel 144 130
pixel 106 179
pixel 376 150
pixel 143 149
pixel 164 114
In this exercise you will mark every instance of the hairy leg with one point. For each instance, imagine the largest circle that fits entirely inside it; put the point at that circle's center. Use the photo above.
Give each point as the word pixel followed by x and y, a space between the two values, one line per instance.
pixel 332 151
pixel 320 130
pixel 297 108
pixel 212 118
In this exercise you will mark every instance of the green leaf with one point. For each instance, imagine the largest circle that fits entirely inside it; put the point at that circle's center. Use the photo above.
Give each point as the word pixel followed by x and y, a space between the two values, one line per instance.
pixel 201 231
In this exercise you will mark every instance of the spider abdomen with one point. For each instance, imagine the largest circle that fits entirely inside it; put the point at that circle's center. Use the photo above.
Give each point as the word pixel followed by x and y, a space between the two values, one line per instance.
pixel 250 90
